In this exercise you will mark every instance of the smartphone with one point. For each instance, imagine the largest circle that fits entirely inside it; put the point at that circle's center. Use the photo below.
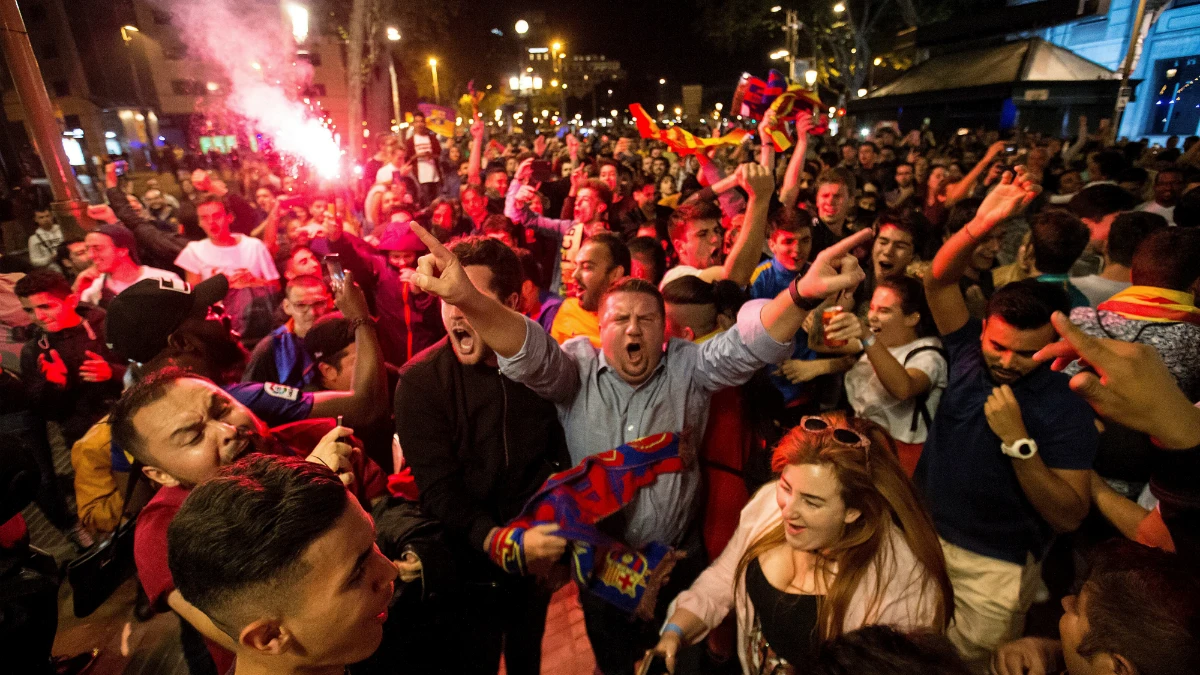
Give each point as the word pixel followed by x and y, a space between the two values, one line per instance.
pixel 542 171
pixel 335 272
pixel 654 664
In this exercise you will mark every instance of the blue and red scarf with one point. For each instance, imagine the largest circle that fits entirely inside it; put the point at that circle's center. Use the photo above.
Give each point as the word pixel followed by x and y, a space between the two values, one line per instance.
pixel 576 500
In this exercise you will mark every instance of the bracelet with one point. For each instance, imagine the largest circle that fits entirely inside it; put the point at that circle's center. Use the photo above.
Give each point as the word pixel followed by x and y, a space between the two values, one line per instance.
pixel 672 628
pixel 807 304
pixel 368 321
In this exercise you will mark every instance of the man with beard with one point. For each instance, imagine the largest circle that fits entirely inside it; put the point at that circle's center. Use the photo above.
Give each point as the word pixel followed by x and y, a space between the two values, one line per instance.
pixel 1006 464
pixel 182 429
pixel 592 202
pixel 634 385
pixel 479 445
pixel 602 260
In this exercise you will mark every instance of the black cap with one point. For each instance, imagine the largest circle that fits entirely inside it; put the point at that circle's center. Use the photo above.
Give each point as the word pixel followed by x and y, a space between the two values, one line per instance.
pixel 122 238
pixel 143 316
pixel 328 336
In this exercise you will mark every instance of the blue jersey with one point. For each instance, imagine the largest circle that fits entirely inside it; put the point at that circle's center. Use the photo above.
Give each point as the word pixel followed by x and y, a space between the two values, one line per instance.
pixel 769 280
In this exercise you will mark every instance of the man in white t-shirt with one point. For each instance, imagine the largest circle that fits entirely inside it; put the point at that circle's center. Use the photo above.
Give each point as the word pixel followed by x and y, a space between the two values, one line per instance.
pixel 245 261
pixel 44 242
pixel 113 251
pixel 1168 186
pixel 424 147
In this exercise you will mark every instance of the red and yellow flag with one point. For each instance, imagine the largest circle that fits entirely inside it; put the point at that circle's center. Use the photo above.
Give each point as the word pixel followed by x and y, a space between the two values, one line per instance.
pixel 1149 303
pixel 680 141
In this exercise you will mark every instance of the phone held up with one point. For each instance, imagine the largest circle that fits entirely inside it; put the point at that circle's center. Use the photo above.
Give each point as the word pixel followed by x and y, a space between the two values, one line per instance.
pixel 335 273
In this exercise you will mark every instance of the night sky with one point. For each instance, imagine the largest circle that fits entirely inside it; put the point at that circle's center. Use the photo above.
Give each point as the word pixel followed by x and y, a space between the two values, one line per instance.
pixel 650 39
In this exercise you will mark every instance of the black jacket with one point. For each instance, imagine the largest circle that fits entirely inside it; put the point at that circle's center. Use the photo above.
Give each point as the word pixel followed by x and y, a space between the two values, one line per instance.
pixel 478 443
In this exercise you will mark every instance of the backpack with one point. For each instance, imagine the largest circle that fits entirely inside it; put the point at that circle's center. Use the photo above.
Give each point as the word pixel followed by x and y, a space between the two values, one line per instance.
pixel 921 410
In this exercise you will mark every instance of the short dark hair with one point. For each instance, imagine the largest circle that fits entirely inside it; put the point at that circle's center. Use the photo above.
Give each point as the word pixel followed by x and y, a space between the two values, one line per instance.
pixel 618 251
pixel 1028 304
pixel 1163 586
pixel 497 257
pixel 868 144
pixel 635 285
pixel 1128 231
pixel 1098 201
pixel 962 213
pixel 790 220
pixel 649 246
pixel 1058 240
pixel 42 281
pixel 1187 209
pixel 1168 258
pixel 911 292
pixel 837 176
pixel 602 192
pixel 882 650
pixel 690 212
pixel 304 281
pixel 689 289
pixel 1111 164
pixel 239 538
pixel 906 220
pixel 142 393
pixel 211 199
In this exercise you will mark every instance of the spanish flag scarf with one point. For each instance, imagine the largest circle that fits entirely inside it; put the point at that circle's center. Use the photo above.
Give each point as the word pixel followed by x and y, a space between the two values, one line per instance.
pixel 1149 303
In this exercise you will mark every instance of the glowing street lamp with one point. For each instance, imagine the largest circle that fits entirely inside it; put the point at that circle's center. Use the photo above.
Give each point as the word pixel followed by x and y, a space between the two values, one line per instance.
pixel 662 80
pixel 393 34
pixel 780 54
pixel 545 114
pixel 678 111
pixel 612 112
pixel 862 93
pixel 514 83
pixel 661 107
pixel 839 8
pixel 299 16
pixel 433 66
pixel 719 106
pixel 810 76
pixel 522 27
pixel 776 8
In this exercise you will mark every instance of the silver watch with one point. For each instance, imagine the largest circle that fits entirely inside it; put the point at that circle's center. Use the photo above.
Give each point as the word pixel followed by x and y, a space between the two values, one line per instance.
pixel 1022 449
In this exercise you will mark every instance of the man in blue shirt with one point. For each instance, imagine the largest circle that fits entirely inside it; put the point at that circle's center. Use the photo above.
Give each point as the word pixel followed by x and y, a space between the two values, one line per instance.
pixel 1007 461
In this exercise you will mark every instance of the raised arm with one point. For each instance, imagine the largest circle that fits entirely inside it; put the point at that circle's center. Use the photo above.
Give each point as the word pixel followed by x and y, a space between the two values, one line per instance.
pixel 475 163
pixel 790 192
pixel 758 182
pixel 766 156
pixel 946 301
pixel 957 191
pixel 1124 514
pixel 360 405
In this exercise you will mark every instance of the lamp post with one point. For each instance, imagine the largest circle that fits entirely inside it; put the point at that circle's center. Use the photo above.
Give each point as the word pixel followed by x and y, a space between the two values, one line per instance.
pixel 433 66
pixel 127 32
pixel 46 134
pixel 810 76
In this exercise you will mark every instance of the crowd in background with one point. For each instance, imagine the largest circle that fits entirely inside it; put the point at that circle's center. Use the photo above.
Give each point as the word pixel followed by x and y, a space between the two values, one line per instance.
pixel 881 456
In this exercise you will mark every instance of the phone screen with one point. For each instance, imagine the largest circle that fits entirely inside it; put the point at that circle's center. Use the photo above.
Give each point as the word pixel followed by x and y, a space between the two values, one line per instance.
pixel 335 272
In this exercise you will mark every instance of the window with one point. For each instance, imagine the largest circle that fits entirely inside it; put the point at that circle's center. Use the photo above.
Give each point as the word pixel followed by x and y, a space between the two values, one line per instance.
pixel 314 90
pixel 48 50
pixel 61 88
pixel 1175 97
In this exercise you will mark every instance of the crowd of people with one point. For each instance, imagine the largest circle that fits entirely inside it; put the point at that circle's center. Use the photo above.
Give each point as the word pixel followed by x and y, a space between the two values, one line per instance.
pixel 862 407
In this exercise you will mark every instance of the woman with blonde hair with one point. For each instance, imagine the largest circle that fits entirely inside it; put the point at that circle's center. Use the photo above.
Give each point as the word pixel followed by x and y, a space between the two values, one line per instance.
pixel 839 541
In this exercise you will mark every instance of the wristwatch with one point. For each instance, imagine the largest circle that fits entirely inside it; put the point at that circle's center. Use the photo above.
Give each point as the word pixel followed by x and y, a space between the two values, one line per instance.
pixel 1022 449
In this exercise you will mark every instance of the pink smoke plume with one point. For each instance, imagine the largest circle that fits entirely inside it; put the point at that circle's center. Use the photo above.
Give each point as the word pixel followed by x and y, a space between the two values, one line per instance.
pixel 251 42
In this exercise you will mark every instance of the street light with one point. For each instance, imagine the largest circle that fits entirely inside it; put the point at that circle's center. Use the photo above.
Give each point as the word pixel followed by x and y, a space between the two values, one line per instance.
pixel 839 8
pixel 878 61
pixel 299 16
pixel 862 93
pixel 612 112
pixel 514 83
pixel 662 80
pixel 661 107
pixel 776 8
pixel 780 54
pixel 556 46
pixel 393 34
pixel 553 83
pixel 433 66
pixel 678 111
pixel 810 76
pixel 719 106
pixel 522 27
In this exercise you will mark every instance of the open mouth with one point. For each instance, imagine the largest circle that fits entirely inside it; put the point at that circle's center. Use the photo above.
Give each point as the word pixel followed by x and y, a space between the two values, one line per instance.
pixel 794 529
pixel 876 329
pixel 886 266
pixel 463 338
pixel 634 353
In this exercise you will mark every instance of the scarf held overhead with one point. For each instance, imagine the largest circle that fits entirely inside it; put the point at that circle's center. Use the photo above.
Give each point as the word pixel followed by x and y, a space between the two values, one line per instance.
pixel 576 500
pixel 681 142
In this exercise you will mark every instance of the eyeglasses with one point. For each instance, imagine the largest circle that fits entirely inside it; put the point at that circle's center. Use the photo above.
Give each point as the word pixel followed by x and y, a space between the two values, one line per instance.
pixel 841 435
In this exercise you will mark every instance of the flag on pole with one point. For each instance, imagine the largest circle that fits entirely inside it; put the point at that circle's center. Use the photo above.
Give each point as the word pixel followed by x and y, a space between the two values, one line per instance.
pixel 680 141
pixel 439 119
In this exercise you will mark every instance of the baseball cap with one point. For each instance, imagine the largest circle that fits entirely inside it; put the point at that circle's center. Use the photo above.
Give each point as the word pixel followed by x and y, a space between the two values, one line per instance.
pixel 122 238
pixel 329 335
pixel 143 316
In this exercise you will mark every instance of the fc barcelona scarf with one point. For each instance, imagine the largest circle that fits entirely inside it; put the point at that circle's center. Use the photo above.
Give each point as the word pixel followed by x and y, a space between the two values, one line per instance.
pixel 1149 303
pixel 579 498
pixel 753 97
pixel 681 142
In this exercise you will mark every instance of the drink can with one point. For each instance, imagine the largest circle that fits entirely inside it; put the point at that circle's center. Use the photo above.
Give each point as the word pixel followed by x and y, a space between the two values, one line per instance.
pixel 826 317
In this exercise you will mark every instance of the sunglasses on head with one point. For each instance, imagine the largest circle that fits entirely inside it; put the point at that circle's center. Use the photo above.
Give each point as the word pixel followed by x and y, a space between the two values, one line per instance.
pixel 841 435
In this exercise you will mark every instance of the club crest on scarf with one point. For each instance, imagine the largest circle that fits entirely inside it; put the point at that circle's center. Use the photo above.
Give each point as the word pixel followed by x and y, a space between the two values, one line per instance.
pixel 753 97
pixel 577 499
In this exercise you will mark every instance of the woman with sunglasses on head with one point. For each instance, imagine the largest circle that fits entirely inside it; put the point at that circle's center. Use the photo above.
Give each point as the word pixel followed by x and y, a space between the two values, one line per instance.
pixel 902 373
pixel 840 541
